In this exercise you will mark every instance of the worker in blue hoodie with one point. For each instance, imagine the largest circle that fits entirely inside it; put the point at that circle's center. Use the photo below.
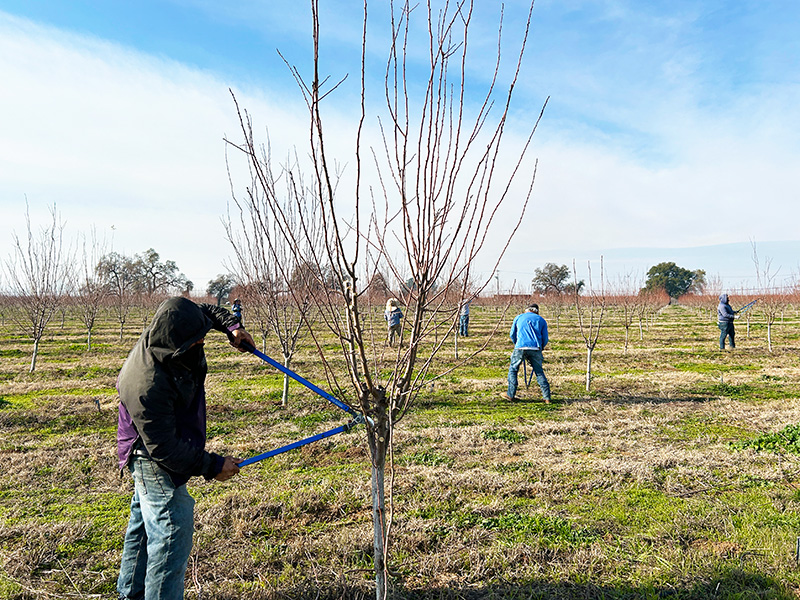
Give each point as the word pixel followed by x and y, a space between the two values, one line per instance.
pixel 725 317
pixel 529 334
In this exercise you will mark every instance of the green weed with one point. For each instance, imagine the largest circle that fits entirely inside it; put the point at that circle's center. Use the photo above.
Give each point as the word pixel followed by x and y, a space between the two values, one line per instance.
pixel 506 435
pixel 428 458
pixel 785 440
pixel 547 530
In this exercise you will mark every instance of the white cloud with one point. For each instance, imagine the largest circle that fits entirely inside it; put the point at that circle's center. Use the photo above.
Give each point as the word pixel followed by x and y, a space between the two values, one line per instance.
pixel 116 138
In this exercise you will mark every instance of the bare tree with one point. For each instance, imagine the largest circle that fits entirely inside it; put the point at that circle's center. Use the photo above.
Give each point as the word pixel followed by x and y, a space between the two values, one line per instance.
pixel 39 275
pixel 279 281
pixel 157 278
pixel 772 298
pixel 651 301
pixel 590 310
pixel 118 275
pixel 440 180
pixel 627 300
pixel 91 291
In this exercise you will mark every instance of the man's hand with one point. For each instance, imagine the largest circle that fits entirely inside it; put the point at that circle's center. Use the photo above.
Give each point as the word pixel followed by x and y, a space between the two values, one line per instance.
pixel 240 336
pixel 229 468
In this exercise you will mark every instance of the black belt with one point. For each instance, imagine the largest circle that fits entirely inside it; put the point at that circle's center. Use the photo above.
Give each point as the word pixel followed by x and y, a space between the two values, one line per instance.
pixel 139 450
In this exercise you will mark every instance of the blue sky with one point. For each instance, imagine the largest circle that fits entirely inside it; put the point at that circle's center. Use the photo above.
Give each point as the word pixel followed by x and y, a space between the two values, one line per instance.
pixel 671 125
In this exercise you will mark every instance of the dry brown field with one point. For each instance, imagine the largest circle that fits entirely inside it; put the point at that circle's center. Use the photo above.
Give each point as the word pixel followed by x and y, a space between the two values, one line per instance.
pixel 675 476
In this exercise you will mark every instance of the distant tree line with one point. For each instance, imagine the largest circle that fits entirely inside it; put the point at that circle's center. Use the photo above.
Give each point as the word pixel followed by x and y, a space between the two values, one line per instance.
pixel 43 273
pixel 666 276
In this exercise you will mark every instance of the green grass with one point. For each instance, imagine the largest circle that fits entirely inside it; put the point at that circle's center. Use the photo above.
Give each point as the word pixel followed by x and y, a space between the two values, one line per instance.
pixel 785 440
pixel 506 435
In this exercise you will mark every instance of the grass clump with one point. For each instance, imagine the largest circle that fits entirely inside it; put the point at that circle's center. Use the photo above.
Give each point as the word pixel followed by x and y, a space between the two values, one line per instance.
pixel 787 440
pixel 504 435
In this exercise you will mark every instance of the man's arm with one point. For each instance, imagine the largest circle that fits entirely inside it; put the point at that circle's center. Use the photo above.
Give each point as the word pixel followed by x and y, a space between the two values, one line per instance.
pixel 228 323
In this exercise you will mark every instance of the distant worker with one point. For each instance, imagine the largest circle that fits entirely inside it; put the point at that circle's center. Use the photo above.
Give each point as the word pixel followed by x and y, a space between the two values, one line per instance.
pixel 236 309
pixel 161 438
pixel 529 334
pixel 463 318
pixel 393 316
pixel 725 317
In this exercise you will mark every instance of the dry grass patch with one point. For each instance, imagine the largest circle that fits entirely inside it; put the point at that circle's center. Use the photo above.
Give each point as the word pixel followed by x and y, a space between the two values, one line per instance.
pixel 631 490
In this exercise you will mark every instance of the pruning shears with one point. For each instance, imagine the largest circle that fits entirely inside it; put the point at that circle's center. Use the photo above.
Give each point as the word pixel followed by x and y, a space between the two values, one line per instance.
pixel 357 419
pixel 747 306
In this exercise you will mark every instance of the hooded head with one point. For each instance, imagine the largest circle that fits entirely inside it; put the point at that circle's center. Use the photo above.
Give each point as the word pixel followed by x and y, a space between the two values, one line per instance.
pixel 723 298
pixel 177 325
pixel 168 341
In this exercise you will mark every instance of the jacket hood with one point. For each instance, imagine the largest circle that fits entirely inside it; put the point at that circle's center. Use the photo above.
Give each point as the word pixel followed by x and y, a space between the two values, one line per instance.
pixel 723 298
pixel 177 324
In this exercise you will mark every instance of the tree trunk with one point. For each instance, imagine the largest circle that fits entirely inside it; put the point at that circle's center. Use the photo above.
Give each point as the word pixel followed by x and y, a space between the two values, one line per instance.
pixel 769 335
pixel 379 436
pixel 589 351
pixel 379 525
pixel 35 354
pixel 285 394
pixel 88 339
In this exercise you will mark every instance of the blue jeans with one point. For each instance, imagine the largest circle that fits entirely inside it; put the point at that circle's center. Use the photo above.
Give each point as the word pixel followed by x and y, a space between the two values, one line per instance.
pixel 394 333
pixel 726 330
pixel 534 358
pixel 463 325
pixel 159 536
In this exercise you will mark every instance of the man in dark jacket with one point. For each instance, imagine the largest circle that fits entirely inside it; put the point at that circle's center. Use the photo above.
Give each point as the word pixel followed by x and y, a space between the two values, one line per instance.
pixel 725 317
pixel 161 439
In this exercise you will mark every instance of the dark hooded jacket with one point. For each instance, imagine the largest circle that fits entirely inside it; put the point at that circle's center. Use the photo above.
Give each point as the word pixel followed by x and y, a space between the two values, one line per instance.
pixel 162 393
pixel 725 314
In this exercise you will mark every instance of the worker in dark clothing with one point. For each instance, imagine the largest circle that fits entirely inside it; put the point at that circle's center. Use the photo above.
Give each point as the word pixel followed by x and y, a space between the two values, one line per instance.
pixel 725 317
pixel 161 437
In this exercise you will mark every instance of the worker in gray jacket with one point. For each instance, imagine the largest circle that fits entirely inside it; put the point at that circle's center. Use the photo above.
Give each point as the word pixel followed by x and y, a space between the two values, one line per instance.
pixel 725 317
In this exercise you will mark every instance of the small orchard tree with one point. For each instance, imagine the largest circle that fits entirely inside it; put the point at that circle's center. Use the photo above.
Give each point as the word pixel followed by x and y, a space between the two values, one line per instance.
pixel 91 290
pixel 626 300
pixel 437 180
pixel 40 276
pixel 590 309
pixel 279 281
pixel 651 302
pixel 557 303
pixel 251 295
pixel 772 298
